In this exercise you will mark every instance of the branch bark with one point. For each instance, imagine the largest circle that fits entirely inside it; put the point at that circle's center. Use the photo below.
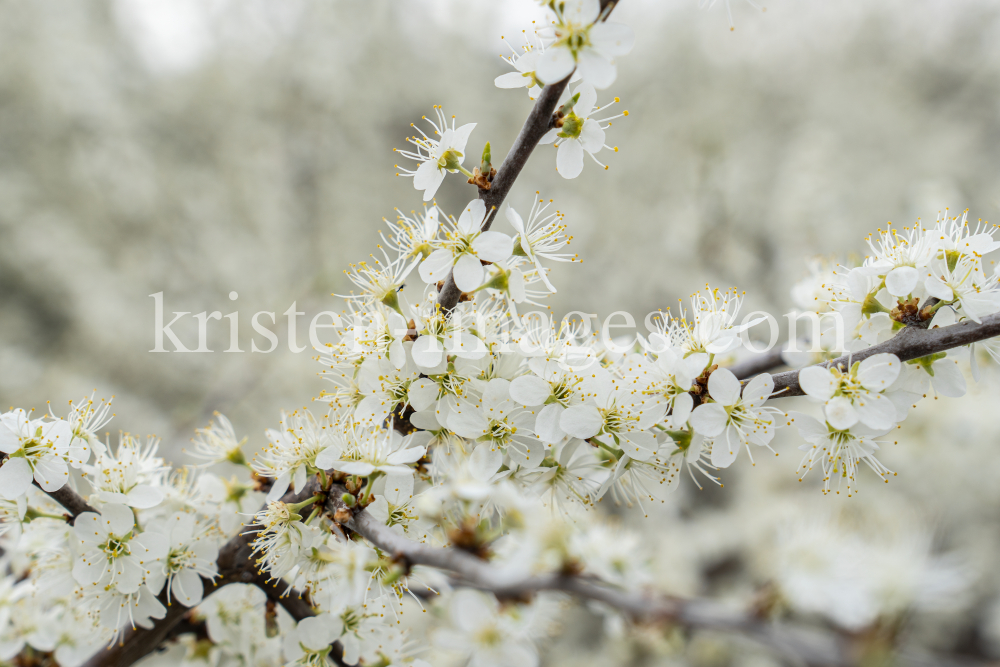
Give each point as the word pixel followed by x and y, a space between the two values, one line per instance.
pixel 799 644
pixel 757 364
pixel 539 122
pixel 72 502
pixel 236 564
pixel 910 343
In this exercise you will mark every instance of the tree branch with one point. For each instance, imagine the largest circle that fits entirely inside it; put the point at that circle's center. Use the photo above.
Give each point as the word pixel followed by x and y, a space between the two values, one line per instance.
pixel 760 363
pixel 801 644
pixel 539 122
pixel 910 343
pixel 72 502
pixel 236 564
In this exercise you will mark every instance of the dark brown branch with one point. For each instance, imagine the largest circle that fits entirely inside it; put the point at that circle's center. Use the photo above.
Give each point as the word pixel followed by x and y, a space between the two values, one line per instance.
pixel 761 363
pixel 538 123
pixel 800 644
pixel 72 502
pixel 236 564
pixel 910 343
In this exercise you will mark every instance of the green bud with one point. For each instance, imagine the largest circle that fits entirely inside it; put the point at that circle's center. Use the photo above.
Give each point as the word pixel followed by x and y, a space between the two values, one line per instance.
pixel 568 107
pixel 349 500
pixel 486 155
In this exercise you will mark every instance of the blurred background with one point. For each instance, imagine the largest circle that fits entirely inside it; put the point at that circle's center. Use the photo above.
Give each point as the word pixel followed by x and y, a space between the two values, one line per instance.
pixel 203 147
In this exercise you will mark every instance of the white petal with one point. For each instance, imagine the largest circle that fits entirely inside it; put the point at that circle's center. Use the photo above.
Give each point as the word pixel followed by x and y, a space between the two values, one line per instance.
pixel 581 421
pixel 818 382
pixel 841 414
pixel 592 136
pixel 408 455
pixel 937 289
pixel 187 588
pixel 493 246
pixel 144 496
pixel 876 411
pixel 613 39
pixel 901 280
pixel 486 459
pixel 569 158
pixel 279 487
pixel 461 138
pixel 879 371
pixel 514 218
pixel 353 467
pixel 9 442
pixel 467 421
pixel 547 423
pixel 758 390
pixel 725 449
pixel 530 390
pixel 709 419
pixel 436 267
pixel 809 427
pixel 427 351
pixel 471 219
pixel 468 273
pixel 638 445
pixel 51 473
pixel 15 478
pixel 549 136
pixel 948 379
pixel 512 80
pixel 588 100
pixel 596 69
pixel 683 405
pixel 723 387
pixel 426 175
pixel 118 519
pixel 398 489
pixel 555 65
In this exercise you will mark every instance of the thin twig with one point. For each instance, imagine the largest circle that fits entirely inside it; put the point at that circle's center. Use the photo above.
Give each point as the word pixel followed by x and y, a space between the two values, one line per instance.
pixel 757 364
pixel 910 343
pixel 802 644
pixel 539 122
pixel 236 564
pixel 72 502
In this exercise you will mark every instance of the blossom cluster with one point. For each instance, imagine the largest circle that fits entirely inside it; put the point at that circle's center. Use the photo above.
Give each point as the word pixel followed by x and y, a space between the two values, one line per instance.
pixel 927 276
pixel 475 425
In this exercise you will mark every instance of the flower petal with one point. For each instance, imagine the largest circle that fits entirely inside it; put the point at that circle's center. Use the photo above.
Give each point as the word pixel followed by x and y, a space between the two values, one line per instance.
pixel 485 460
pixel 15 478
pixel 581 421
pixel 709 419
pixel 555 65
pixel 723 387
pixel 569 158
pixel 493 246
pixel 530 390
pixel 901 281
pixel 468 273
